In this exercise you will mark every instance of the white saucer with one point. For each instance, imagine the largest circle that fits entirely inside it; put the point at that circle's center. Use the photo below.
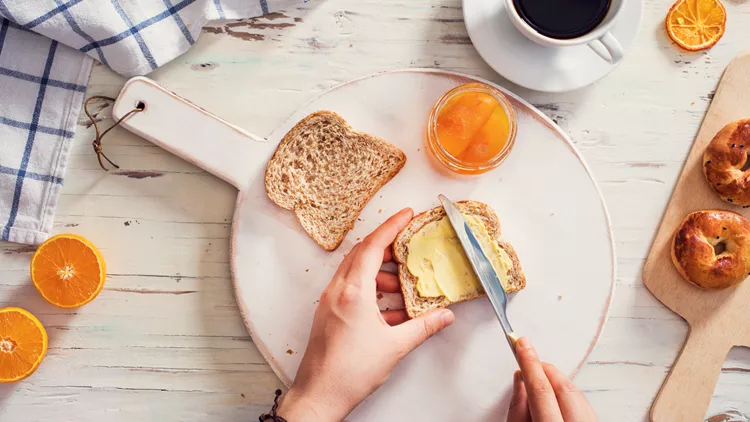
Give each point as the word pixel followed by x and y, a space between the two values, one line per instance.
pixel 536 67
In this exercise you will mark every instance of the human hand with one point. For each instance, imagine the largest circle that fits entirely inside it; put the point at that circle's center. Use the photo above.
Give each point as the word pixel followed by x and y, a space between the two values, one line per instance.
pixel 541 393
pixel 353 346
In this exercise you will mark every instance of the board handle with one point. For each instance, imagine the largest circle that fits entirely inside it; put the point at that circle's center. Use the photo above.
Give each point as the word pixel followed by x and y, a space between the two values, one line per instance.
pixel 189 131
pixel 689 387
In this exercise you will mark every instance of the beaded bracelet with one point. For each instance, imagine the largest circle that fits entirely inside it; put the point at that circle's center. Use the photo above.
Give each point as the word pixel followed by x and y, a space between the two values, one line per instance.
pixel 273 416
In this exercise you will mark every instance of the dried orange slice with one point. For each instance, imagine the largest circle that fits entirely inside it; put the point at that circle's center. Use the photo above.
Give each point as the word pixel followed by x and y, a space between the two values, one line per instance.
pixel 23 344
pixel 68 270
pixel 696 24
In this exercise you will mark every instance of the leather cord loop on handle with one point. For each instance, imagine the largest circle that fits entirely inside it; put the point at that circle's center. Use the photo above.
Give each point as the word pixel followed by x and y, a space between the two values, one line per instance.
pixel 97 143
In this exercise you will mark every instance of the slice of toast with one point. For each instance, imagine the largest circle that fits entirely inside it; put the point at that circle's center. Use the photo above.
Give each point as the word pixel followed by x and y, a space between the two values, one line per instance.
pixel 416 305
pixel 326 173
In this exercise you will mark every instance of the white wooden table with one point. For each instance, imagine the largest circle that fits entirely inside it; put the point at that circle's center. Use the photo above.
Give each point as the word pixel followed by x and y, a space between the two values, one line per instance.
pixel 164 341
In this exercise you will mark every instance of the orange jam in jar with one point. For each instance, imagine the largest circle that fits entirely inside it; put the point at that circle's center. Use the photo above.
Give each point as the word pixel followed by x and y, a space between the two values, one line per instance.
pixel 471 128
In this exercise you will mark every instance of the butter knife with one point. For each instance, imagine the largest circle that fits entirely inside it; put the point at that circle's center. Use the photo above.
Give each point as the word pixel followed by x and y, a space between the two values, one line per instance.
pixel 482 268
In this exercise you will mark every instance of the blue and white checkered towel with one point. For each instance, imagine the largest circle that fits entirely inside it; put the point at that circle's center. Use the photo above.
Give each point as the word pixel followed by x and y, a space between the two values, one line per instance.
pixel 43 81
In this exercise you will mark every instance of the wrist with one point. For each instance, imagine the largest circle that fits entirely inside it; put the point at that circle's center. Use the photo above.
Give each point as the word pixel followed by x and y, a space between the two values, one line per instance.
pixel 298 406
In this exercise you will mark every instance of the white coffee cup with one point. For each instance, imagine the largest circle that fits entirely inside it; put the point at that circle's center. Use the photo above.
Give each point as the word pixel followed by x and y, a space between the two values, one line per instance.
pixel 600 39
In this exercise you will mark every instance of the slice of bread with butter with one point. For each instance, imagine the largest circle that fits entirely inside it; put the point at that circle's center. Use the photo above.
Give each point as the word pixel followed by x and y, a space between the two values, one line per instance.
pixel 432 267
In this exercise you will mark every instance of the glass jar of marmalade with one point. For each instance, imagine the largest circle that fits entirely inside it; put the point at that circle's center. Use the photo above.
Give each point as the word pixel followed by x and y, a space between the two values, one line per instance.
pixel 471 129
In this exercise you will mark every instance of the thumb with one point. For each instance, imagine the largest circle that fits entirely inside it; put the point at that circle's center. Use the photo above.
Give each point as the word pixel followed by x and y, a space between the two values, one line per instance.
pixel 414 332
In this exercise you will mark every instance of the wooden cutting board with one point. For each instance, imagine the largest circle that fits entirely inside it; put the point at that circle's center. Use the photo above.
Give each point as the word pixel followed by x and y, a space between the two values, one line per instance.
pixel 718 320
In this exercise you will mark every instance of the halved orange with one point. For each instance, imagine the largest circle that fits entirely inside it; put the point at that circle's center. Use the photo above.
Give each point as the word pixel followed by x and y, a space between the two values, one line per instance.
pixel 23 344
pixel 68 270
pixel 696 24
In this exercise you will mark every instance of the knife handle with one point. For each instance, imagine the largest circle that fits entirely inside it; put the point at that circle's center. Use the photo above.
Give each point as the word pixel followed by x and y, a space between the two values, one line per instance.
pixel 513 337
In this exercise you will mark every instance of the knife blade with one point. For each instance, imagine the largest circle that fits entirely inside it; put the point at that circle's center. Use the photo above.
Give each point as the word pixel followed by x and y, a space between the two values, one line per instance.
pixel 482 268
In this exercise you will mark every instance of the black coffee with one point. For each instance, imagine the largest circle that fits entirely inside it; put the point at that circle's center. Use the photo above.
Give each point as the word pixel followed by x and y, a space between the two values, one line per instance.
pixel 562 19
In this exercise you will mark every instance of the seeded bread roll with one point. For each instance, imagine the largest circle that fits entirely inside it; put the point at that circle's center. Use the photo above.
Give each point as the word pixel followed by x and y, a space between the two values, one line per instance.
pixel 725 163
pixel 416 305
pixel 326 173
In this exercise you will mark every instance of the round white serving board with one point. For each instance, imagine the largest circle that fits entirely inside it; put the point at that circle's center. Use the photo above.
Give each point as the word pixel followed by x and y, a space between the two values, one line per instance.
pixel 550 209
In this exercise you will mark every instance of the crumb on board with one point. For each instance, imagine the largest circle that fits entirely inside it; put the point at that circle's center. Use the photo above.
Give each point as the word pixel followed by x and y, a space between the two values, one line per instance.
pixel 380 296
pixel 289 351
pixel 692 103
pixel 552 214
pixel 316 302
pixel 380 211
pixel 358 239
pixel 243 395
pixel 307 270
pixel 559 297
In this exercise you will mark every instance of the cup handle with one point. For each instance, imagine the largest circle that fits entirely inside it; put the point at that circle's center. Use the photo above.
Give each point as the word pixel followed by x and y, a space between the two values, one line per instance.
pixel 608 48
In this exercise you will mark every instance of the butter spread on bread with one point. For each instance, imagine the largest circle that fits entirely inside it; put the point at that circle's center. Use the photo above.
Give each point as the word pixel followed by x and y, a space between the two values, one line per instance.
pixel 416 304
pixel 438 261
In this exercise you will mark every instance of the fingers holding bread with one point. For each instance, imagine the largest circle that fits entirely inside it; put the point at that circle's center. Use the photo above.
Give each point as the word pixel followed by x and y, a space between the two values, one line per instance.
pixel 386 233
pixel 387 282
pixel 394 317
pixel 373 248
